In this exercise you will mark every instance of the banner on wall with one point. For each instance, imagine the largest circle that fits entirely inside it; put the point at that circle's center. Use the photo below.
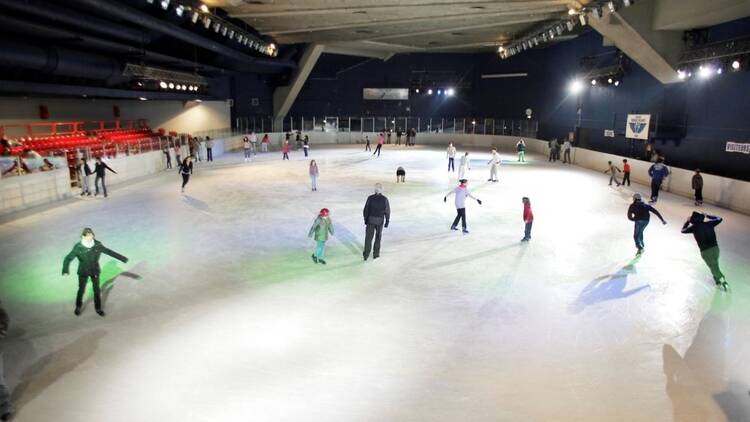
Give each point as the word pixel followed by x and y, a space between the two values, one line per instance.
pixel 609 133
pixel 738 147
pixel 637 127
pixel 400 94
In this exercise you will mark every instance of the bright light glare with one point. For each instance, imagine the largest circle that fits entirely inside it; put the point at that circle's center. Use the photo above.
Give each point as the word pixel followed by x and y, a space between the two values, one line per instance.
pixel 429 92
pixel 736 64
pixel 204 8
pixel 705 72
pixel 576 87
pixel 681 74
pixel 449 92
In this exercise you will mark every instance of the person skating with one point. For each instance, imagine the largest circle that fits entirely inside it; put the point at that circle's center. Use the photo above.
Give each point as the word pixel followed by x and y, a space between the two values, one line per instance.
pixel 381 140
pixel 400 175
pixel 167 155
pixel 6 406
pixel 461 192
pixel 87 251
pixel 254 143
pixel 314 175
pixel 451 153
pixel 285 151
pixel 639 213
pixel 625 172
pixel 612 170
pixel 321 228
pixel 463 166
pixel 84 173
pixel 398 136
pixel 702 227
pixel 528 219
pixel 697 184
pixel 185 170
pixel 246 148
pixel 177 157
pixel 367 143
pixel 388 134
pixel 209 149
pixel 521 150
pixel 377 212
pixel 413 140
pixel 494 165
pixel 657 172
pixel 264 143
pixel 306 145
pixel 567 147
pixel 100 169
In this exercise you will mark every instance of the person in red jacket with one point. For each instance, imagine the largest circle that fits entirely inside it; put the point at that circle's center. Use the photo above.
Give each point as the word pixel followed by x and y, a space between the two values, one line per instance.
pixel 285 150
pixel 625 172
pixel 528 218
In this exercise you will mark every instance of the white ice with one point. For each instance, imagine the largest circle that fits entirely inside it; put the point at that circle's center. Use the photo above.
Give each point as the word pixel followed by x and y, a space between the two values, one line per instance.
pixel 221 315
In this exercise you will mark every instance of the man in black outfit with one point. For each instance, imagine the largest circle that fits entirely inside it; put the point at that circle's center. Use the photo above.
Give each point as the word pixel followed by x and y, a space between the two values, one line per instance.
pixel 6 407
pixel 100 168
pixel 702 227
pixel 377 211
pixel 639 213
pixel 88 251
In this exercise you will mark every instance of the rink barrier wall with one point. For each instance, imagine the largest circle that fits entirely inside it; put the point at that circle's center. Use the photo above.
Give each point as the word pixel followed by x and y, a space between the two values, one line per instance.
pixel 18 193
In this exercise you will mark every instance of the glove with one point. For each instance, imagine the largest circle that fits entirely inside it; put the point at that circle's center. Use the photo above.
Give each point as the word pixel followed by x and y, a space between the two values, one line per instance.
pixel 445 199
pixel 480 201
pixel 386 225
pixel 664 222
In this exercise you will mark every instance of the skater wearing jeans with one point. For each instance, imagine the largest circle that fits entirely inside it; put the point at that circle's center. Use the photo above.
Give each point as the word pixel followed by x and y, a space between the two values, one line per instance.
pixel 639 213
pixel 306 145
pixel 376 212
pixel 264 143
pixel 625 172
pixel 528 219
pixel 612 170
pixel 254 143
pixel 567 147
pixel 657 172
pixel 84 171
pixel 100 169
pixel 314 175
pixel 521 149
pixel 209 149
pixel 6 407
pixel 185 170
pixel 702 227
pixel 461 192
pixel 285 151
pixel 246 148
pixel 381 140
pixel 451 157
pixel 321 228
pixel 697 183
pixel 87 251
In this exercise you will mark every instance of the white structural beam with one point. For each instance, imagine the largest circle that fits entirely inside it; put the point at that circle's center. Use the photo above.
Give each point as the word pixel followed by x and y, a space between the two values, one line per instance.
pixel 284 96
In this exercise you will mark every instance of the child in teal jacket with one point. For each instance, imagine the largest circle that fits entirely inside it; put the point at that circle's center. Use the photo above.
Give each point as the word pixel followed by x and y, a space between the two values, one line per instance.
pixel 319 231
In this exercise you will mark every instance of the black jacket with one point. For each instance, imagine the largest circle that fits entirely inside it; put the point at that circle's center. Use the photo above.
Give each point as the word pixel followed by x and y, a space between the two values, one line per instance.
pixel 88 258
pixel 4 320
pixel 703 231
pixel 186 169
pixel 639 211
pixel 101 167
pixel 377 209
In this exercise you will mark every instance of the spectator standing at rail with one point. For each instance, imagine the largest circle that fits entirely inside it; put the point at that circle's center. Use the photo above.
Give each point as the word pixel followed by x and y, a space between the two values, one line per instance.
pixel 100 169
pixel 697 184
pixel 388 135
pixel 552 144
pixel 567 147
pixel 246 148
pixel 451 153
pixel 209 149
pixel 413 137
pixel 254 143
pixel 398 136
pixel 377 212
pixel 658 172
pixel 177 151
pixel 167 155
pixel 264 143
pixel 639 213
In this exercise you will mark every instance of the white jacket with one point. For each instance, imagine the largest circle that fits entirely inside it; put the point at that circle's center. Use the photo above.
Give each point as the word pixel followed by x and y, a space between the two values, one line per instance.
pixel 495 160
pixel 461 194
pixel 465 161
pixel 451 152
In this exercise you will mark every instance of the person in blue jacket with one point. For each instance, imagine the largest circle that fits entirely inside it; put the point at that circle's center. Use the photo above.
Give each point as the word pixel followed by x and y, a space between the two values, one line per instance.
pixel 658 172
pixel 639 213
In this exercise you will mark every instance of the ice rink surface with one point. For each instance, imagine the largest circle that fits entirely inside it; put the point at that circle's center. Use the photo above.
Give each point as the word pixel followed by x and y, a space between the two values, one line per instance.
pixel 221 315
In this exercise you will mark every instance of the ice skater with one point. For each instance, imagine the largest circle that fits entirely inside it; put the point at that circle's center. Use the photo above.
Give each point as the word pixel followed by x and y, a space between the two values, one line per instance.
pixel 254 143
pixel 697 183
pixel 463 167
pixel 167 155
pixel 377 211
pixel 367 143
pixel 657 172
pixel 321 228
pixel 87 251
pixel 285 151
pixel 264 143
pixel 314 175
pixel 177 152
pixel 494 165
pixel 306 145
pixel 381 140
pixel 246 148
pixel 84 173
pixel 400 175
pixel 702 227
pixel 100 169
pixel 521 150
pixel 461 192
pixel 612 170
pixel 6 406
pixel 639 213
pixel 185 170
pixel 451 153
pixel 528 219
pixel 567 147
pixel 625 172
pixel 209 149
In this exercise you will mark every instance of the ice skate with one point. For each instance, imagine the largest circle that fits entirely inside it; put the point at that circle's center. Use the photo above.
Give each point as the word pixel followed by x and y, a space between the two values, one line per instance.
pixel 454 228
pixel 314 258
pixel 101 313
pixel 465 231
pixel 77 312
pixel 640 252
pixel 322 261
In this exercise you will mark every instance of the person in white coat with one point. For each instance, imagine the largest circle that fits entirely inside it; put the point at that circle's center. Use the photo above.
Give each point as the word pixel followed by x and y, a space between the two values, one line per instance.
pixel 461 192
pixel 463 167
pixel 451 153
pixel 494 165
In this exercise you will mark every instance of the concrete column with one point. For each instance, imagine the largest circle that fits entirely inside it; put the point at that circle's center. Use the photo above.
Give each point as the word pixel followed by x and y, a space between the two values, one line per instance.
pixel 284 96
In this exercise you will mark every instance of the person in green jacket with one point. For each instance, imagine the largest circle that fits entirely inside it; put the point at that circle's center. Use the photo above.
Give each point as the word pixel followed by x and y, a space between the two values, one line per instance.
pixel 319 231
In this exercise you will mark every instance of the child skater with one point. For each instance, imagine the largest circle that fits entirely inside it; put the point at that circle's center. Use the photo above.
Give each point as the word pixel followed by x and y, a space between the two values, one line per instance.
pixel 461 192
pixel 88 251
pixel 702 227
pixel 463 167
pixel 246 147
pixel 612 170
pixel 528 218
pixel 367 143
pixel 400 175
pixel 186 169
pixel 285 150
pixel 494 165
pixel 322 226
pixel 314 175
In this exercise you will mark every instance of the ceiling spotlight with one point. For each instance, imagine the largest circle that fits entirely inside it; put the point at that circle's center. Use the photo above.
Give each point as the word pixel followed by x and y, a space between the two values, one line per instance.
pixel 500 49
pixel 736 65
pixel 705 72
pixel 142 98
pixel 224 31
pixel 272 46
pixel 440 92
pixel 611 6
pixel 165 4
pixel 206 22
pixel 195 16
pixel 576 86
pixel 593 82
pixel 184 88
pixel 171 85
pixel 681 74
pixel 449 92
pixel 552 34
pixel 473 122
pixel 163 85
pixel 719 71
pixel 582 18
pixel 429 92
pixel 179 10
pixel 609 80
pixel 617 83
pixel 559 29
pixel 231 34
pixel 572 12
pixel 217 27
pixel 204 8
pixel 417 90
pixel 627 3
